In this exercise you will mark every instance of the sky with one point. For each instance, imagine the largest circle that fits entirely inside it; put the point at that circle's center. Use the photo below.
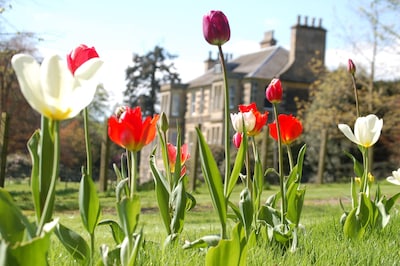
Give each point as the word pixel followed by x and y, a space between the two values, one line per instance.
pixel 117 29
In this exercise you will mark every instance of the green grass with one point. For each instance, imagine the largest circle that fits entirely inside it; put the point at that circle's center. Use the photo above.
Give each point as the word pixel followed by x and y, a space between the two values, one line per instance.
pixel 321 243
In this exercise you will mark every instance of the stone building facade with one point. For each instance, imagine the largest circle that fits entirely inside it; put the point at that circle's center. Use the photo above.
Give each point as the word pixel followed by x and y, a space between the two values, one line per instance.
pixel 200 102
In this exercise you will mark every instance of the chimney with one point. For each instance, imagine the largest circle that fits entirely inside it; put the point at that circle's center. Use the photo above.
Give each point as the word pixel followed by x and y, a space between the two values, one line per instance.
pixel 268 40
pixel 306 40
pixel 209 63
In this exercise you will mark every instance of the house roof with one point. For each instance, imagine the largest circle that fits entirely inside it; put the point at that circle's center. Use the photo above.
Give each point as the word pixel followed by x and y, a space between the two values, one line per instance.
pixel 265 64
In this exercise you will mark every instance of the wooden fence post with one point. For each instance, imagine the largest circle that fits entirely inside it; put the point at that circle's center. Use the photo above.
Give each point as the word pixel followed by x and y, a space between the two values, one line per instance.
pixel 104 159
pixel 322 154
pixel 3 144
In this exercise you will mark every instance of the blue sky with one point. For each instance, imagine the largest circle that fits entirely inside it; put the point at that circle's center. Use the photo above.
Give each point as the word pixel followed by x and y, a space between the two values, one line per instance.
pixel 118 29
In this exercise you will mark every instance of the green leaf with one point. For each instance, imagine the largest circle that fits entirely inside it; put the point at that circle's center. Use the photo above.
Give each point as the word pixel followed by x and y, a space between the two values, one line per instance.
pixel 365 210
pixel 110 257
pixel 73 242
pixel 178 201
pixel 128 254
pixel 13 223
pixel 89 204
pixel 269 215
pixel 33 252
pixel 391 201
pixel 116 230
pixel 352 227
pixel 162 194
pixel 203 242
pixel 33 147
pixel 258 182
pixel 190 201
pixel 237 167
pixel 246 210
pixel 300 160
pixel 46 152
pixel 229 252
pixel 128 212
pixel 354 195
pixel 357 166
pixel 295 200
pixel 213 178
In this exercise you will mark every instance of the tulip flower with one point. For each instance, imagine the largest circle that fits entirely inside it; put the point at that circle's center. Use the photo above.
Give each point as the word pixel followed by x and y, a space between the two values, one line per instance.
pixel 172 152
pixel 395 177
pixel 367 130
pixel 246 118
pixel 290 128
pixel 260 119
pixel 127 129
pixel 216 28
pixel 79 56
pixel 351 67
pixel 273 93
pixel 237 139
pixel 51 88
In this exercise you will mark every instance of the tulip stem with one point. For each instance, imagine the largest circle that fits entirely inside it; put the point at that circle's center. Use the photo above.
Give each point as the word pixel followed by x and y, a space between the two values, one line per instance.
pixel 88 170
pixel 290 157
pixel 280 165
pixel 365 188
pixel 47 211
pixel 353 78
pixel 133 173
pixel 226 132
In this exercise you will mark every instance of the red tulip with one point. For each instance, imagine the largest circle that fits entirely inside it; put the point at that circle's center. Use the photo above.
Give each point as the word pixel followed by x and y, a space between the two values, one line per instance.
pixel 261 119
pixel 80 55
pixel 172 152
pixel 127 129
pixel 290 127
pixel 273 93
pixel 216 29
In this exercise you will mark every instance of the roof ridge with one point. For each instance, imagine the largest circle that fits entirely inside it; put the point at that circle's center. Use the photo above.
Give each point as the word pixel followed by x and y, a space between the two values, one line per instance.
pixel 267 59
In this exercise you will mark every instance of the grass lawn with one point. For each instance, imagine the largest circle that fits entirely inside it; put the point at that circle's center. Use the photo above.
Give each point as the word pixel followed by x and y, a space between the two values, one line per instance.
pixel 321 243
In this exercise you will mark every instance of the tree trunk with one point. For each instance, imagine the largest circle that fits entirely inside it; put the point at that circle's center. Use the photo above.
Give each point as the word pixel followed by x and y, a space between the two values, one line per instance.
pixel 322 154
pixel 3 144
pixel 104 156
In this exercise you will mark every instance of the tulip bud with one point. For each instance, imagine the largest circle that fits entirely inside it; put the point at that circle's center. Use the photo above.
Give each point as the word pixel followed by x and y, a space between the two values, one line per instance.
pixel 164 122
pixel 351 67
pixel 80 55
pixel 273 93
pixel 216 29
pixel 237 139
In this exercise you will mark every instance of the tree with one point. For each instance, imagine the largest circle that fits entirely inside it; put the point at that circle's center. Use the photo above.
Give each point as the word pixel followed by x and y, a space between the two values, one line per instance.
pixel 18 120
pixel 332 102
pixel 145 77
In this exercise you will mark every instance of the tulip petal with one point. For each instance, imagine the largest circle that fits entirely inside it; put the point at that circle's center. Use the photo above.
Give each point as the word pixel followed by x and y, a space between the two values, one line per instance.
pixel 88 69
pixel 348 133
pixel 27 70
pixel 393 180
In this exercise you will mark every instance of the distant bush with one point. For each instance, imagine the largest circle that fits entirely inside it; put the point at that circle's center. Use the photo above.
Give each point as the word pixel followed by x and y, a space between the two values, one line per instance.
pixel 18 165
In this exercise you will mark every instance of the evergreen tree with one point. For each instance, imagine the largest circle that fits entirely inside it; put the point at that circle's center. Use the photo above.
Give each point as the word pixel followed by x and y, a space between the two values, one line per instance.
pixel 146 76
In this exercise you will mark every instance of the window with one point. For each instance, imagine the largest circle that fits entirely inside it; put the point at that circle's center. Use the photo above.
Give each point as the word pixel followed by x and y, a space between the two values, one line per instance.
pixel 216 97
pixel 254 92
pixel 175 104
pixel 193 102
pixel 232 98
pixel 202 100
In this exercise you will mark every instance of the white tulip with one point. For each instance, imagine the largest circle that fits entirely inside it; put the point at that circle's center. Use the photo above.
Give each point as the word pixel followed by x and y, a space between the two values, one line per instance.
pixel 395 177
pixel 248 118
pixel 367 130
pixel 51 89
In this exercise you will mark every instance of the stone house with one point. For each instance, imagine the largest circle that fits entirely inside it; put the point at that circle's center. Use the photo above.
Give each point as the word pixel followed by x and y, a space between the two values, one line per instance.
pixel 200 102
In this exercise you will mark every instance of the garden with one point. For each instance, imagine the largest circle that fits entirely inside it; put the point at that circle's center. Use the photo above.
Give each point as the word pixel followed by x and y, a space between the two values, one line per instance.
pixel 233 218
